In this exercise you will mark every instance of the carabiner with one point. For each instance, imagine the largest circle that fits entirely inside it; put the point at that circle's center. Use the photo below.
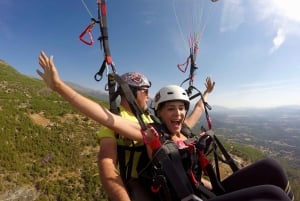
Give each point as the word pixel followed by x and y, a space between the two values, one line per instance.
pixel 98 77
pixel 89 31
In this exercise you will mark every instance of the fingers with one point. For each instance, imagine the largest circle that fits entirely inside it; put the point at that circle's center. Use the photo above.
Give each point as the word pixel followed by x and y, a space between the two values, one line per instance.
pixel 43 60
pixel 209 84
pixel 40 73
pixel 208 79
pixel 42 64
pixel 49 61
pixel 46 63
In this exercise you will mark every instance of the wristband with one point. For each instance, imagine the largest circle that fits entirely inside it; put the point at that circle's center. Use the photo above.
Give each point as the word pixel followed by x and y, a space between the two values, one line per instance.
pixel 153 143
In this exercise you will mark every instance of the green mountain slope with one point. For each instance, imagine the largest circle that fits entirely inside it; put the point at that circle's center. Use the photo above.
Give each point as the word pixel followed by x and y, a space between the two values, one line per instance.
pixel 47 148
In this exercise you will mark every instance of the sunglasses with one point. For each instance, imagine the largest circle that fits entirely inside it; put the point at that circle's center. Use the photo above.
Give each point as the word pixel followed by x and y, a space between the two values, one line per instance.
pixel 145 91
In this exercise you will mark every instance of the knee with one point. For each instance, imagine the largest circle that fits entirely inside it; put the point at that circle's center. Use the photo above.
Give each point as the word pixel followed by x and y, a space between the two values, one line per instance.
pixel 271 165
pixel 275 192
pixel 275 171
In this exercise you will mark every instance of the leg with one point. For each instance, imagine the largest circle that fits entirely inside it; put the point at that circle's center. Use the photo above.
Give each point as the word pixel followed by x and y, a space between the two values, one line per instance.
pixel 265 171
pixel 255 193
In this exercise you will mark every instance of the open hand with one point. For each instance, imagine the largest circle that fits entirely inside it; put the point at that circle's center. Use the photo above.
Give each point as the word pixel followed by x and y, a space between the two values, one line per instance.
pixel 209 84
pixel 50 74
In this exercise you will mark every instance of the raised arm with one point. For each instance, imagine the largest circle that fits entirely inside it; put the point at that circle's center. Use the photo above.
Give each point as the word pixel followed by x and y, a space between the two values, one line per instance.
pixel 198 110
pixel 88 107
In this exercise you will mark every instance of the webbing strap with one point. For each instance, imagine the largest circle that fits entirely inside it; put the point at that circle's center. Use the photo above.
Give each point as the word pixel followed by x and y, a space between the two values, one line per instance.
pixel 169 158
pixel 121 162
pixel 112 93
pixel 126 168
pixel 216 161
pixel 103 28
pixel 204 192
pixel 217 187
pixel 228 158
pixel 202 142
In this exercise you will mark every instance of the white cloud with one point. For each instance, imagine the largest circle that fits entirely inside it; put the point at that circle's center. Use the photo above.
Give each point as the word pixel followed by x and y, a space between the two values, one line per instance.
pixel 278 40
pixel 281 17
pixel 288 9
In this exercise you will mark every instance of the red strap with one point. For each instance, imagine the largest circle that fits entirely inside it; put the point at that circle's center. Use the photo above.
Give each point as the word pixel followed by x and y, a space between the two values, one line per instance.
pixel 154 143
pixel 108 60
pixel 203 161
pixel 155 190
pixel 183 67
pixel 193 178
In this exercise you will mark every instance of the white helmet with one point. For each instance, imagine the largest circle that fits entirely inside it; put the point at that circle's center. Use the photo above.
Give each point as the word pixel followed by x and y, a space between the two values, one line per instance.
pixel 171 93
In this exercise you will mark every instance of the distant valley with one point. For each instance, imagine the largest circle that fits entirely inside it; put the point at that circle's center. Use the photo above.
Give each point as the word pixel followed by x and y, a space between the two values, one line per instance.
pixel 276 131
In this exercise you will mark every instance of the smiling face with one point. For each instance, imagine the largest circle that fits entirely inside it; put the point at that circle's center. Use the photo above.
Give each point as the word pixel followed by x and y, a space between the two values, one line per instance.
pixel 172 114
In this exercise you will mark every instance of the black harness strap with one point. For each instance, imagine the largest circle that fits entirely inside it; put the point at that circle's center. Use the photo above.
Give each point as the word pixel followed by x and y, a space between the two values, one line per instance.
pixel 202 142
pixel 168 158
pixel 228 158
pixel 126 168
pixel 215 182
pixel 216 162
pixel 112 94
pixel 122 162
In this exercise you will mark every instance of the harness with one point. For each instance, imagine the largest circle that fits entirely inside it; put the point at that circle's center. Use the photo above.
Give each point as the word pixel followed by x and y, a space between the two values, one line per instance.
pixel 126 168
pixel 175 171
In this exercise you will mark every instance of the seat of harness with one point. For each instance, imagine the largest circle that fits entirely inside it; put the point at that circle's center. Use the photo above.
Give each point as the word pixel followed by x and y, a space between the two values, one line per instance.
pixel 172 169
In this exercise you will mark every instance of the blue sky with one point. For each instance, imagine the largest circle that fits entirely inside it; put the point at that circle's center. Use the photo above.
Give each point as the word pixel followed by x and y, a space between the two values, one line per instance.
pixel 249 48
